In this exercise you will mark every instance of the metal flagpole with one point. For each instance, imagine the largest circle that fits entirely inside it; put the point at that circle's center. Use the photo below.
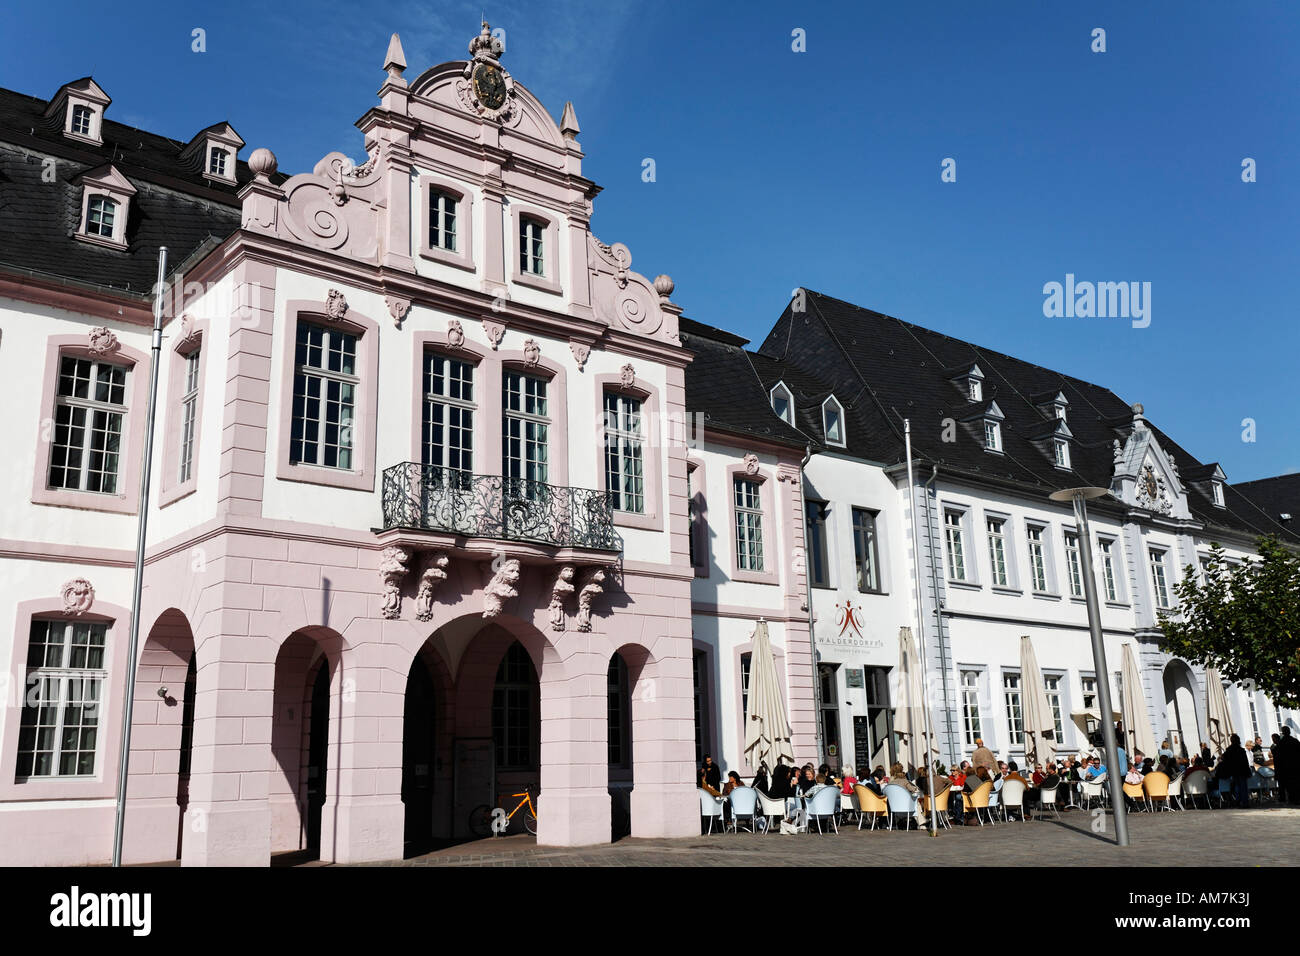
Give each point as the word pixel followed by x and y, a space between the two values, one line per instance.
pixel 155 357
pixel 920 626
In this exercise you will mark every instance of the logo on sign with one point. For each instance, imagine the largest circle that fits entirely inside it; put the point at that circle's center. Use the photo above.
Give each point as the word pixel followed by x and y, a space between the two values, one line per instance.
pixel 849 616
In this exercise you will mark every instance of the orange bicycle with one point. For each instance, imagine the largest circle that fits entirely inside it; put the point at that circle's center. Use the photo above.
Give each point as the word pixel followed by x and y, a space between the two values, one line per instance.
pixel 482 818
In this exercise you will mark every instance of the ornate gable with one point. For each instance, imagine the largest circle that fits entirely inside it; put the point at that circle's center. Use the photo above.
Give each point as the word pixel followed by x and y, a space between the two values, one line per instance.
pixel 1145 476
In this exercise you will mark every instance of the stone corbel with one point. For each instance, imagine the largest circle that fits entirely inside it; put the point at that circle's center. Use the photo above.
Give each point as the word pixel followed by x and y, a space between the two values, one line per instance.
pixel 392 571
pixel 501 588
pixel 560 592
pixel 593 584
pixel 397 308
pixel 435 572
pixel 581 352
pixel 495 332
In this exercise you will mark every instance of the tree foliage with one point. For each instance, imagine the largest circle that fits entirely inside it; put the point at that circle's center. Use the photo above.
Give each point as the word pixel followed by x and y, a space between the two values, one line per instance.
pixel 1242 619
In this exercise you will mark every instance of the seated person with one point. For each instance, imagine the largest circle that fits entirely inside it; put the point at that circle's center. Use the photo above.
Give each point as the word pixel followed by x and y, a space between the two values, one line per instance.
pixel 1013 773
pixel 846 785
pixel 876 782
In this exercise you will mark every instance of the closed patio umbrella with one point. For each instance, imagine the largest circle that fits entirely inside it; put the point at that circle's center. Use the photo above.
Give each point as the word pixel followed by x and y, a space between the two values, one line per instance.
pixel 1089 718
pixel 1039 721
pixel 909 718
pixel 767 732
pixel 1137 725
pixel 1216 712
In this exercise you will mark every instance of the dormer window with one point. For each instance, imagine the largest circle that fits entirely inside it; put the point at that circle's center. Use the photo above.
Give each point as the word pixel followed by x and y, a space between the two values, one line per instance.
pixel 1062 452
pixel 81 117
pixel 969 378
pixel 105 206
pixel 992 435
pixel 783 403
pixel 975 390
pixel 100 214
pixel 217 161
pixel 1216 490
pixel 833 421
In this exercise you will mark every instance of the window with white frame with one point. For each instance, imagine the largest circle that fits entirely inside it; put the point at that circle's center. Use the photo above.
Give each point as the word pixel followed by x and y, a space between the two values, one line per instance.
pixel 525 427
pixel 833 421
pixel 749 525
pixel 815 514
pixel 992 435
pixel 447 427
pixel 532 234
pixel 998 550
pixel 1156 557
pixel 1108 577
pixel 970 705
pixel 1037 536
pixel 81 117
pixel 89 414
pixel 624 453
pixel 1052 684
pixel 866 550
pixel 101 217
pixel 783 403
pixel 1015 716
pixel 955 535
pixel 59 728
pixel 974 389
pixel 189 415
pixel 325 385
pixel 1062 452
pixel 1216 489
pixel 442 220
pixel 744 683
pixel 1074 563
pixel 217 158
pixel 1088 684
pixel 1254 714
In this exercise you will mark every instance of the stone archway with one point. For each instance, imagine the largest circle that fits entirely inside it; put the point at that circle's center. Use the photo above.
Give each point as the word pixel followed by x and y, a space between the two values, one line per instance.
pixel 1181 717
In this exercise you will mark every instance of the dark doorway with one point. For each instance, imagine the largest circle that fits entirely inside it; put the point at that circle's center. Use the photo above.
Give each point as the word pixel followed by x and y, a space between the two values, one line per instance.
pixel 619 741
pixel 317 749
pixel 187 752
pixel 418 758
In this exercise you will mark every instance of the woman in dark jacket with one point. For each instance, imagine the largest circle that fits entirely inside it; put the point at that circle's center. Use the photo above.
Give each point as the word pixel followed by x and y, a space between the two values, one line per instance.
pixel 780 782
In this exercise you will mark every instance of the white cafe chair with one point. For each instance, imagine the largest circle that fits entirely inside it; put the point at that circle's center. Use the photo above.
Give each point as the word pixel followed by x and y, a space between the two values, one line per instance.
pixel 771 808
pixel 822 802
pixel 900 801
pixel 711 807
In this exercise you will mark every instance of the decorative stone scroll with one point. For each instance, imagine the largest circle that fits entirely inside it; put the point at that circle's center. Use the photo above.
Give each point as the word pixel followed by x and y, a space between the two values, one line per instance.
pixel 435 572
pixel 593 584
pixel 560 591
pixel 501 588
pixel 392 571
pixel 335 305
pixel 102 341
pixel 397 308
pixel 78 596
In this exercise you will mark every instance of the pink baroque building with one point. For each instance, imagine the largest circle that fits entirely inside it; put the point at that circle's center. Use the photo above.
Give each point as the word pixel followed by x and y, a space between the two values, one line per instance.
pixel 419 525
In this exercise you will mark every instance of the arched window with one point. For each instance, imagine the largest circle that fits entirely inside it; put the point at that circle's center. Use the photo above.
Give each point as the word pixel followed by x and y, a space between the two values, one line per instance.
pixel 516 727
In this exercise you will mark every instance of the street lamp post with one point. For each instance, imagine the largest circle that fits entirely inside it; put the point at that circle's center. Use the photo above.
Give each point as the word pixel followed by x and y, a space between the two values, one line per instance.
pixel 1079 497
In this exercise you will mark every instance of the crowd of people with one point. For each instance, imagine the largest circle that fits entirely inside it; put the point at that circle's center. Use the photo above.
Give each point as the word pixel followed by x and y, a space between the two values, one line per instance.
pixel 1236 765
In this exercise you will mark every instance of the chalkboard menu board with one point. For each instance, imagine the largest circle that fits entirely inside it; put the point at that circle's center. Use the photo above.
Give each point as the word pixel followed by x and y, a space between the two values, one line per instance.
pixel 862 746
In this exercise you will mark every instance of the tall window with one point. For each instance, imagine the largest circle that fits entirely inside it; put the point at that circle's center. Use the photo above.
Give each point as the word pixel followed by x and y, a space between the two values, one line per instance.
pixel 217 161
pixel 65 678
pixel 866 550
pixel 324 397
pixel 1037 558
pixel 998 550
pixel 698 676
pixel 833 422
pixel 749 525
pixel 1108 568
pixel 970 705
pixel 818 565
pixel 1062 452
pixel 1254 714
pixel 1157 558
pixel 692 520
pixel 89 410
pixel 101 213
pixel 515 724
pixel 745 660
pixel 1089 685
pixel 81 120
pixel 531 235
pixel 830 714
pixel 781 403
pixel 1015 718
pixel 992 436
pixel 442 220
pixel 956 545
pixel 619 724
pixel 447 431
pixel 974 389
pixel 1072 559
pixel 624 453
pixel 189 413
pixel 1052 684
pixel 524 427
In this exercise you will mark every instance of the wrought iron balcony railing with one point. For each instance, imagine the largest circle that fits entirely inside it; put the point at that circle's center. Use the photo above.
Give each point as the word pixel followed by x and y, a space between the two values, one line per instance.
pixel 434 498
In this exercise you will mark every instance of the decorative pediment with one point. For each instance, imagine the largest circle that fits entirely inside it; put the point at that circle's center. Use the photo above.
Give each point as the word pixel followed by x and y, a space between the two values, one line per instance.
pixel 107 178
pixel 1145 475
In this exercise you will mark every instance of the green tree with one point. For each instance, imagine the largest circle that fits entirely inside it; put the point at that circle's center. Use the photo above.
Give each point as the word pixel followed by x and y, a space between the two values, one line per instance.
pixel 1242 620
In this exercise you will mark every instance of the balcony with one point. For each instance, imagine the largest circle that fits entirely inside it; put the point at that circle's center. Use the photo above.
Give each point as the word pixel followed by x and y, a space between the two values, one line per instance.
pixel 420 497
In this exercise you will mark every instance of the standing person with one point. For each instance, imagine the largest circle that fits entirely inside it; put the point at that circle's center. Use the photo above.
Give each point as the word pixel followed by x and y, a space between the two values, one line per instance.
pixel 1257 752
pixel 1234 766
pixel 1286 762
pixel 983 757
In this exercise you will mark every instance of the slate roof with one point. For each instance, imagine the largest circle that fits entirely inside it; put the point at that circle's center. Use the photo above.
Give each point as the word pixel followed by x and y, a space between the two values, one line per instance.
pixel 722 384
pixel 1275 496
pixel 883 370
pixel 174 204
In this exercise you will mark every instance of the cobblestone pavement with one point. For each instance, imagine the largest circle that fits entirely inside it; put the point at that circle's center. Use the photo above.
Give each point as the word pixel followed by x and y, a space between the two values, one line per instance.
pixel 1255 837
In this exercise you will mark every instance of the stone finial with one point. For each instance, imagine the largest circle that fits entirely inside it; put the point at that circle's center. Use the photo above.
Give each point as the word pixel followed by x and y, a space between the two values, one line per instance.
pixel 664 285
pixel 485 45
pixel 569 122
pixel 1137 409
pixel 1119 452
pixel 263 164
pixel 395 58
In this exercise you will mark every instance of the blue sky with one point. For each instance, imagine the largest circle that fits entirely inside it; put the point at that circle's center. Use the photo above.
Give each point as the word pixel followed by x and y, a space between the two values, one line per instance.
pixel 776 169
